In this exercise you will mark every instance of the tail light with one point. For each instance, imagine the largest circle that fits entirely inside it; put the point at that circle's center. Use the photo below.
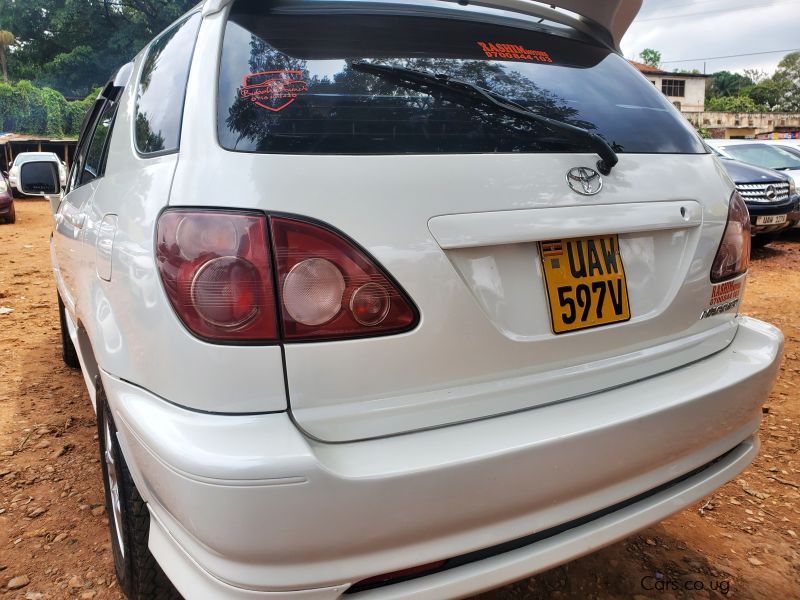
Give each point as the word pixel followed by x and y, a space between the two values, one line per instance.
pixel 733 255
pixel 396 577
pixel 218 274
pixel 329 288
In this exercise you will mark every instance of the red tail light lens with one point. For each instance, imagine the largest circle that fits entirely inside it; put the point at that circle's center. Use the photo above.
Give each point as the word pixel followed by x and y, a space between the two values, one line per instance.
pixel 216 271
pixel 733 255
pixel 396 576
pixel 329 288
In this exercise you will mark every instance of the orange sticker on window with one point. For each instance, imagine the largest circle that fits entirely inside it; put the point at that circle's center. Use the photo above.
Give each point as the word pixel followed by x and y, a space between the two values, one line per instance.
pixel 273 90
pixel 514 52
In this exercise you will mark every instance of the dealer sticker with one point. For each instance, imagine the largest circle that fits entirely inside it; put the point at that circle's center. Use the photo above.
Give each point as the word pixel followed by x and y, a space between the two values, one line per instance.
pixel 514 52
pixel 724 297
pixel 273 90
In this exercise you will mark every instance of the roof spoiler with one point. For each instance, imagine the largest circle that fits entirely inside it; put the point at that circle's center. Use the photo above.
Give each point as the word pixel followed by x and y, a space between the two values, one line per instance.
pixel 604 20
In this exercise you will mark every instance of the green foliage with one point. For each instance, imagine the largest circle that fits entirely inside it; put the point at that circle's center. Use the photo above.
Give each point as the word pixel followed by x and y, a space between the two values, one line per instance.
pixel 704 133
pixel 25 108
pixel 726 83
pixel 651 57
pixel 755 91
pixel 768 93
pixel 6 41
pixel 787 79
pixel 741 104
pixel 75 45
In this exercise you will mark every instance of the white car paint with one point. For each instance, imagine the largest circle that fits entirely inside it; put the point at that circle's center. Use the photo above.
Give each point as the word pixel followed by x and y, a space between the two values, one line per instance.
pixel 23 157
pixel 508 429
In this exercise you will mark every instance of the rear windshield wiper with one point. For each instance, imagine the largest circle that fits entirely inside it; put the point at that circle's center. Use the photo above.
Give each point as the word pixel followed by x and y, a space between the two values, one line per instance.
pixel 608 158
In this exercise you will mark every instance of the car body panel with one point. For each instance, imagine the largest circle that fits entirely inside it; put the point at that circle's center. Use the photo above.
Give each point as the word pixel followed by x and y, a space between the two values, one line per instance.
pixel 135 333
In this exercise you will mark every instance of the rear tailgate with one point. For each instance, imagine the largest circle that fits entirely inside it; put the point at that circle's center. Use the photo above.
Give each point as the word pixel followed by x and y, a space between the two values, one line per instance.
pixel 485 344
pixel 453 203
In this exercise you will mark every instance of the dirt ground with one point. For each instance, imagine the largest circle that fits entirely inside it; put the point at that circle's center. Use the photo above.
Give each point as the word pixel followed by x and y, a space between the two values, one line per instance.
pixel 741 542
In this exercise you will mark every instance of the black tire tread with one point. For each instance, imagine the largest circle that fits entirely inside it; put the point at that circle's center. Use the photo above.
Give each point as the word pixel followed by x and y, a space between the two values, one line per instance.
pixel 68 352
pixel 140 576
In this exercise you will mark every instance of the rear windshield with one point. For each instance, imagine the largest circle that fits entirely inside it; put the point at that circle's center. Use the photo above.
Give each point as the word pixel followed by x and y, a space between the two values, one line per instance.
pixel 287 85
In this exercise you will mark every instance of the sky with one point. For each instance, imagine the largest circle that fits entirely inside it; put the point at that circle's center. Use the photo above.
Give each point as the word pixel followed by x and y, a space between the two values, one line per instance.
pixel 689 29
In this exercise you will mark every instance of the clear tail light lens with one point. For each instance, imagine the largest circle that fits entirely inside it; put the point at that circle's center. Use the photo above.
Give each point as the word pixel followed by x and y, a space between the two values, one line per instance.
pixel 313 291
pixel 733 255
pixel 216 271
pixel 329 288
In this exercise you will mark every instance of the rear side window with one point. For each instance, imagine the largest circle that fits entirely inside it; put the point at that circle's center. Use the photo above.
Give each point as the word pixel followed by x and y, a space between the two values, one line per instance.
pixel 95 162
pixel 287 85
pixel 162 88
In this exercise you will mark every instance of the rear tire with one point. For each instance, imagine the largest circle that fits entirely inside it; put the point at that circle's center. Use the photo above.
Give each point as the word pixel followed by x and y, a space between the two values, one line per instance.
pixel 139 575
pixel 68 352
pixel 12 218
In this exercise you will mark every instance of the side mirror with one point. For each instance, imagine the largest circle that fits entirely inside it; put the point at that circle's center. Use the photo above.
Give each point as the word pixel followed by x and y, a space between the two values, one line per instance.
pixel 39 178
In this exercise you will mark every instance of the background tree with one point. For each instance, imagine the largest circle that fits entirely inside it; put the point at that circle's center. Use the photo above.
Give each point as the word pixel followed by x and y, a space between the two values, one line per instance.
pixel 768 93
pixel 740 104
pixel 6 41
pixel 755 75
pixel 651 57
pixel 76 45
pixel 725 83
pixel 787 80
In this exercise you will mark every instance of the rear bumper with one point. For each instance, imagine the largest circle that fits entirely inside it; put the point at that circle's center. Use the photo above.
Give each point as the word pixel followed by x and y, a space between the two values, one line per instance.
pixel 245 506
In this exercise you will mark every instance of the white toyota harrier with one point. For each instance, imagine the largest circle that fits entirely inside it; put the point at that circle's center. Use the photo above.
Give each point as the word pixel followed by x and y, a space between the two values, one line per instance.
pixel 399 299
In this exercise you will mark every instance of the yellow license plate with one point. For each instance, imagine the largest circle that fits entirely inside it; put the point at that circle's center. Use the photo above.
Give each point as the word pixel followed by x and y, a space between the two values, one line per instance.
pixel 585 282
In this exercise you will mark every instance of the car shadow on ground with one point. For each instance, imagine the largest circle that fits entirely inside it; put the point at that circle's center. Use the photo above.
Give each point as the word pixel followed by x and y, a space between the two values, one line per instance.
pixel 651 564
pixel 772 250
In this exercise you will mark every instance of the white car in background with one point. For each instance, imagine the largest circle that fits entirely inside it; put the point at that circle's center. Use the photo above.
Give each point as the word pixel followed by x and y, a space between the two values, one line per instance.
pixel 761 153
pixel 791 146
pixel 399 300
pixel 23 157
pixel 793 143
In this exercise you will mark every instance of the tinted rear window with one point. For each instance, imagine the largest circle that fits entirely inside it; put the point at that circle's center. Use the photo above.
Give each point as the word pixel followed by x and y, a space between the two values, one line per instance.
pixel 162 88
pixel 287 86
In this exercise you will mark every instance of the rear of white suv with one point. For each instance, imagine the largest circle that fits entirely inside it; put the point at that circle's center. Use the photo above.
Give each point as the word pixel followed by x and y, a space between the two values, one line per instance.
pixel 398 300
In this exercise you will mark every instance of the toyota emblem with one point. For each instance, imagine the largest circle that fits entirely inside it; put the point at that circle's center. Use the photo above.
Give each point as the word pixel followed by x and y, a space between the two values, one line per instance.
pixel 585 181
